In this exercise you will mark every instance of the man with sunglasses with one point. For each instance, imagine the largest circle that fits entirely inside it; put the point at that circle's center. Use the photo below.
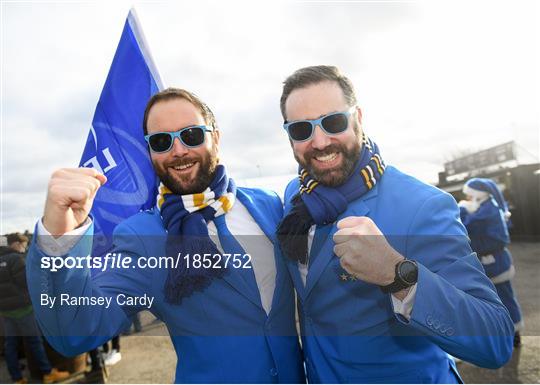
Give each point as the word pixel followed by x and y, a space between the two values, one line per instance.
pixel 229 311
pixel 387 283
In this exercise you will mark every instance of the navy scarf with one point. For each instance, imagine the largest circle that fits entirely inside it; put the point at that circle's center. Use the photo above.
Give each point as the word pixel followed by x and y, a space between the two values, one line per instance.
pixel 185 217
pixel 316 204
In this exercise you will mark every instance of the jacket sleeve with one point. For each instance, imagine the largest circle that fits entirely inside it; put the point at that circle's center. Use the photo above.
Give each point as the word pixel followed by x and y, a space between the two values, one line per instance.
pixel 72 330
pixel 456 305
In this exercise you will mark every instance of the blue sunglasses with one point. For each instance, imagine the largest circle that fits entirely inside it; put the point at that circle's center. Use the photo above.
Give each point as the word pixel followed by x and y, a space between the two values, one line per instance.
pixel 332 124
pixel 192 136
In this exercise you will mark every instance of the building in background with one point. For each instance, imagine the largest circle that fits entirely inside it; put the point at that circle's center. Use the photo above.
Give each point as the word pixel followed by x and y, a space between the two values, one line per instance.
pixel 518 180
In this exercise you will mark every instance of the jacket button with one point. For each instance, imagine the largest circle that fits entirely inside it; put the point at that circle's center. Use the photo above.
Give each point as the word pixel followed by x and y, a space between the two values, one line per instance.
pixel 273 372
pixel 429 320
pixel 436 324
pixel 450 332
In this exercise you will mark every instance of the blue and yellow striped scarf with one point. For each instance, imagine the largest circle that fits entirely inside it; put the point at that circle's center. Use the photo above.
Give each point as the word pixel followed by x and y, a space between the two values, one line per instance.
pixel 316 204
pixel 185 217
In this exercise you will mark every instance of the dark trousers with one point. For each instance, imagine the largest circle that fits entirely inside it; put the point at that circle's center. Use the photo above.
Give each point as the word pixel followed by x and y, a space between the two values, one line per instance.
pixel 25 327
pixel 115 342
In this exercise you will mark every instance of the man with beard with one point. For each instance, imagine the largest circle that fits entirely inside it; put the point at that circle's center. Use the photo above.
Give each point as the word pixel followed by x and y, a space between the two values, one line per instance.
pixel 229 321
pixel 387 283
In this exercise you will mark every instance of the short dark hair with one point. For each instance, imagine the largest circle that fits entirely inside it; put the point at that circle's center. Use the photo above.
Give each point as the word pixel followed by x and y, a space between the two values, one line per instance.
pixel 313 75
pixel 16 237
pixel 178 93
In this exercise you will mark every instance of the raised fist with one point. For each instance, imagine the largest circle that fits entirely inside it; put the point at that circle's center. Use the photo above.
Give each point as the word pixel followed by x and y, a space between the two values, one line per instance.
pixel 70 196
pixel 364 251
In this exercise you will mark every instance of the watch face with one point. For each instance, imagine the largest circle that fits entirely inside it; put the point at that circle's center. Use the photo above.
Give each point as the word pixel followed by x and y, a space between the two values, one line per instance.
pixel 408 271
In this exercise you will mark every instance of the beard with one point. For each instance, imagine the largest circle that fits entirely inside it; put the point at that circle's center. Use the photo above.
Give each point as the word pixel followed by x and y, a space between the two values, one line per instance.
pixel 185 185
pixel 333 177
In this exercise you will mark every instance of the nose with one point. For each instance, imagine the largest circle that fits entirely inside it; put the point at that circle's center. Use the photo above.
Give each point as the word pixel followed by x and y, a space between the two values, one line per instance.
pixel 178 149
pixel 319 139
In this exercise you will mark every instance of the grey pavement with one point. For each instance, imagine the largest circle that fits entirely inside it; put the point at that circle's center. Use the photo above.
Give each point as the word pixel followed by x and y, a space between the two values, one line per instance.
pixel 524 367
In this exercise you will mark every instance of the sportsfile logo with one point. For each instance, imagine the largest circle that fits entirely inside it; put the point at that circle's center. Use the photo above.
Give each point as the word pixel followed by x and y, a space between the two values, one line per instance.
pixel 119 261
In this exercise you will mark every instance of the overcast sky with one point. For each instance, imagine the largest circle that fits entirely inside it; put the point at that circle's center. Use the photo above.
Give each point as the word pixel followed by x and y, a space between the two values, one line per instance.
pixel 432 78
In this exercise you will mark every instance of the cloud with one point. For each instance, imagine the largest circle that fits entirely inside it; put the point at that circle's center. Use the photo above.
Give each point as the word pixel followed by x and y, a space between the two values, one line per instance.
pixel 431 78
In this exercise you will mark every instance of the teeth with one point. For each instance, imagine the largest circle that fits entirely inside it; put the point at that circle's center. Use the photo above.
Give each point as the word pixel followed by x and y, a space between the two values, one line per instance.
pixel 184 166
pixel 326 158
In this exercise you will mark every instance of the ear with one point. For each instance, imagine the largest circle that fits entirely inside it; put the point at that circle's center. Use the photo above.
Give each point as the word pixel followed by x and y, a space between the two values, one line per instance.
pixel 216 136
pixel 359 115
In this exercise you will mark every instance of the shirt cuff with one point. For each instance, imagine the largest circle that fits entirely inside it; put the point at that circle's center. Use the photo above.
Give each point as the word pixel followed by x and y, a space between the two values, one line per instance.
pixel 405 307
pixel 56 247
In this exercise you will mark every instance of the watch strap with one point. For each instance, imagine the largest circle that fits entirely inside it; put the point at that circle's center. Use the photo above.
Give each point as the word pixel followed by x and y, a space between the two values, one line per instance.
pixel 398 284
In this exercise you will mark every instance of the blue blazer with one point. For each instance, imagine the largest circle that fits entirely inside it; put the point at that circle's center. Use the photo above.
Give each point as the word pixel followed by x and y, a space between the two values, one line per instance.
pixel 488 233
pixel 221 335
pixel 350 332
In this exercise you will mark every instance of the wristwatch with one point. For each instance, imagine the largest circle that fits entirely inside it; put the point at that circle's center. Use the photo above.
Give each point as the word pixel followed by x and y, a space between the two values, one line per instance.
pixel 406 276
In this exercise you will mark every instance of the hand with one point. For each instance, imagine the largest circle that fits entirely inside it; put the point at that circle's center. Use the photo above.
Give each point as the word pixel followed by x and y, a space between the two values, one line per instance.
pixel 364 251
pixel 470 206
pixel 70 195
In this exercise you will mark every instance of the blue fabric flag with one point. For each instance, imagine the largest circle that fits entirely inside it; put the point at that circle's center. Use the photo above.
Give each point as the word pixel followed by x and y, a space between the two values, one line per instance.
pixel 116 145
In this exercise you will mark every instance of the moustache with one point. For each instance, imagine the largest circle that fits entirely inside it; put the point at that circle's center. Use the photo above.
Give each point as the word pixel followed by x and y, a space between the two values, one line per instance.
pixel 333 148
pixel 183 162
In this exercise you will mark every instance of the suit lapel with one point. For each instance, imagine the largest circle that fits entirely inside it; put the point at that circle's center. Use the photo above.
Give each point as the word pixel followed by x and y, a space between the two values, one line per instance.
pixel 260 217
pixel 297 279
pixel 269 229
pixel 358 208
pixel 235 279
pixel 281 273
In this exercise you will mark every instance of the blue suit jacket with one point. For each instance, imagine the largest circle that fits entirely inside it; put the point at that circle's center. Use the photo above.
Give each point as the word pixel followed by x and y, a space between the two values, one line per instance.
pixel 350 332
pixel 220 335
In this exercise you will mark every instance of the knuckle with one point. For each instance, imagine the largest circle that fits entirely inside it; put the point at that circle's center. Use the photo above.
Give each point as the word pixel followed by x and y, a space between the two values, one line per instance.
pixel 357 232
pixel 59 173
pixel 366 221
pixel 52 189
pixel 91 171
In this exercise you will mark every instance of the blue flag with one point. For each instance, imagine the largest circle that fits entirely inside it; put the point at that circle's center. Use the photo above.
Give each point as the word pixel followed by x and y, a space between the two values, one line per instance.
pixel 115 145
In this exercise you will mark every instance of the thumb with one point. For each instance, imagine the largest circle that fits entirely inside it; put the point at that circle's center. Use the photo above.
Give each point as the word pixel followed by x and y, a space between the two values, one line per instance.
pixel 102 178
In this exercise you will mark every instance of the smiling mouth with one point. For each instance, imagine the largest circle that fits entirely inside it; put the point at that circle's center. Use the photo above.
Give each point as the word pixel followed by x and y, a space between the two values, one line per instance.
pixel 184 167
pixel 327 162
pixel 327 158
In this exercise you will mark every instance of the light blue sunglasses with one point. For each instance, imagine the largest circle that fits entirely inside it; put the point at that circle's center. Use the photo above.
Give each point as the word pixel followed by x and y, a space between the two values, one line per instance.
pixel 332 124
pixel 192 136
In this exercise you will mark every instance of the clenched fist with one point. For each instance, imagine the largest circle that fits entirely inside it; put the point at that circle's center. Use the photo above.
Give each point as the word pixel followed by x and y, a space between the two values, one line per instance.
pixel 364 251
pixel 70 196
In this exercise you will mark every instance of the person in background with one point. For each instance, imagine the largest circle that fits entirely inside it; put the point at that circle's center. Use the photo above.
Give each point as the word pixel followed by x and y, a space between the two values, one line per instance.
pixel 112 356
pixel 485 215
pixel 16 308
